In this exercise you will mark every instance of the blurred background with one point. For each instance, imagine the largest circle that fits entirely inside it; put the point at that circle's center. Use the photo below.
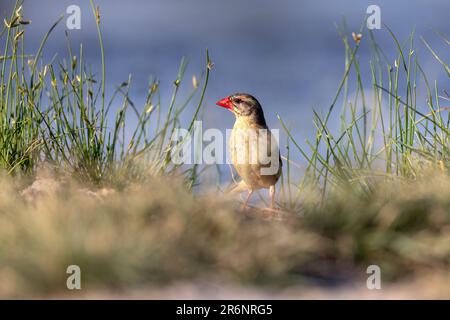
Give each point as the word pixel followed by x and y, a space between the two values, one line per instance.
pixel 287 53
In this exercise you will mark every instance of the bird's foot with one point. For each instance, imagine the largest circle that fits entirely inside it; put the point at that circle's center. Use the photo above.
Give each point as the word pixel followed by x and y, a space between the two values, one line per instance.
pixel 270 209
pixel 244 207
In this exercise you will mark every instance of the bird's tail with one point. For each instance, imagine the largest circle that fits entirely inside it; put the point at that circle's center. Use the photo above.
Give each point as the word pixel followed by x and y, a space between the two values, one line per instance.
pixel 237 187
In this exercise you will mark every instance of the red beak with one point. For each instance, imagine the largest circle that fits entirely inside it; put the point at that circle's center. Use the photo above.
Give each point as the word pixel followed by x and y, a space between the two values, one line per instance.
pixel 226 103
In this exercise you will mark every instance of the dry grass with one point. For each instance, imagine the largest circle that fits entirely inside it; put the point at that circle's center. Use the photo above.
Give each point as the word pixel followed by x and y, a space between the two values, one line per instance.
pixel 157 232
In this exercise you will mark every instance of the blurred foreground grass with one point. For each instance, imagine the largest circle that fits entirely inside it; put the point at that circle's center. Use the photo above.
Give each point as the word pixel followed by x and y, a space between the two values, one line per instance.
pixel 157 233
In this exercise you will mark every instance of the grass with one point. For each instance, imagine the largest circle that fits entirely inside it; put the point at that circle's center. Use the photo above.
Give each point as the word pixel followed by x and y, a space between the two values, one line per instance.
pixel 391 136
pixel 140 237
pixel 374 191
pixel 58 112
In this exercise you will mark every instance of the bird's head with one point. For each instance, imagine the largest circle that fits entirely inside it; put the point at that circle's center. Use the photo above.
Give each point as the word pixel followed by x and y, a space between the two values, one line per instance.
pixel 243 105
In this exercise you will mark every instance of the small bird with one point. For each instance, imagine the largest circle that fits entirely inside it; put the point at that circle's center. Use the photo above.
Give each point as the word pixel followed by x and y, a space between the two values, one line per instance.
pixel 254 151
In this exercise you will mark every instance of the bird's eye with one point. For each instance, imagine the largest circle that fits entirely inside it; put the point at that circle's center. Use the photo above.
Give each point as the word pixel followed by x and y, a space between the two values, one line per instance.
pixel 237 100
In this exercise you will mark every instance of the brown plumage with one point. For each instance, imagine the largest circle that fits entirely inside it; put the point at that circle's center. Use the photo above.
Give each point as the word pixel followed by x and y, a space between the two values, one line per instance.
pixel 254 152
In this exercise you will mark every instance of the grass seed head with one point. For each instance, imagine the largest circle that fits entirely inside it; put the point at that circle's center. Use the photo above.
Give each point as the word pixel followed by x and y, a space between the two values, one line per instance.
pixel 149 108
pixel 356 37
pixel 97 15
pixel 154 87
pixel 18 35
pixel 194 82
pixel 74 62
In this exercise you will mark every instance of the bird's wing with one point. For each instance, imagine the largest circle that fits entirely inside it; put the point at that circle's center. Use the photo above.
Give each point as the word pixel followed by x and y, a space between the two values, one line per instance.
pixel 269 153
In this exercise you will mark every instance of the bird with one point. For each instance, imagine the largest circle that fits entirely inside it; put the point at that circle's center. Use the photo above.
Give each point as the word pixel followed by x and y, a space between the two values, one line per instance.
pixel 254 151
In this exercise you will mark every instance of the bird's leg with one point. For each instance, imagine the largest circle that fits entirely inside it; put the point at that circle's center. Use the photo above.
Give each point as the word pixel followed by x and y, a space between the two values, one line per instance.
pixel 244 206
pixel 272 196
